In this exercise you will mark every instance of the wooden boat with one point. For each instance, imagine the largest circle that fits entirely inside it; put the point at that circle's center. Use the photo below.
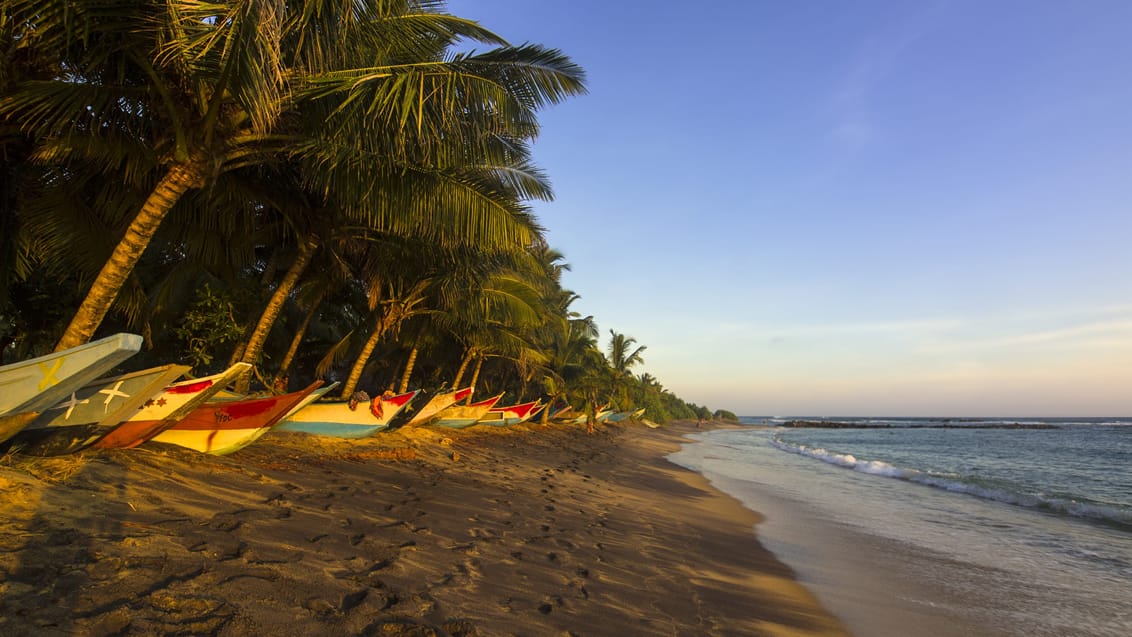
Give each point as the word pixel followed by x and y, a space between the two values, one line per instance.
pixel 460 416
pixel 168 407
pixel 510 415
pixel 338 420
pixel 569 416
pixel 431 410
pixel 603 414
pixel 33 385
pixel 91 411
pixel 223 427
pixel 618 416
pixel 559 412
pixel 311 397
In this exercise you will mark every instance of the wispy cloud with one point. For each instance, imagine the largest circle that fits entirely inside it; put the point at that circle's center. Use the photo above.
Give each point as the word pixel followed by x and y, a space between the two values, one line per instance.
pixel 874 60
pixel 757 331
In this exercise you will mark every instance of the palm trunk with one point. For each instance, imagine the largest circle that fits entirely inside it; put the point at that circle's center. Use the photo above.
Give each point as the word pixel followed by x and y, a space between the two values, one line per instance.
pixel 274 307
pixel 181 178
pixel 545 418
pixel 463 366
pixel 289 357
pixel 363 357
pixel 265 281
pixel 475 379
pixel 409 367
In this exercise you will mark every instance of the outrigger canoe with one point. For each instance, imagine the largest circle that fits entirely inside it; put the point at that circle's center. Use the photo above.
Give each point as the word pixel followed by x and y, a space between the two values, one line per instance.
pixel 31 386
pixel 461 416
pixel 511 415
pixel 168 407
pixel 91 411
pixel 624 415
pixel 223 427
pixel 338 420
pixel 433 407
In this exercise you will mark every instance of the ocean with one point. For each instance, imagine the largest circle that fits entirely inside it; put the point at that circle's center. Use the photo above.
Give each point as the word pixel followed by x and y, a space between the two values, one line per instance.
pixel 941 527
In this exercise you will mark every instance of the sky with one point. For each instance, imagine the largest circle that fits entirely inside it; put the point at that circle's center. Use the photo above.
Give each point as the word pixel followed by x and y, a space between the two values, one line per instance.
pixel 834 208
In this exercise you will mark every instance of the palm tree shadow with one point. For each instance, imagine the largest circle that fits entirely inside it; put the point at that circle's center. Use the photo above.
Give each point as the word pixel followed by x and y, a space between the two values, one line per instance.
pixel 55 544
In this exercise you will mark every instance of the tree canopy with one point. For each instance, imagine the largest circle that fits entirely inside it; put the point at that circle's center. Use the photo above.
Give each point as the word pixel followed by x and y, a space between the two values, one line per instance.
pixel 323 189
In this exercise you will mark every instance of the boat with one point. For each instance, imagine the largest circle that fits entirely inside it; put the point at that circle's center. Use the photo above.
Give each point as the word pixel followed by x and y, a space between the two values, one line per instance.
pixel 168 407
pixel 618 416
pixel 510 415
pixel 223 427
pixel 339 420
pixel 602 415
pixel 431 410
pixel 559 412
pixel 91 411
pixel 31 386
pixel 460 416
pixel 311 397
pixel 569 416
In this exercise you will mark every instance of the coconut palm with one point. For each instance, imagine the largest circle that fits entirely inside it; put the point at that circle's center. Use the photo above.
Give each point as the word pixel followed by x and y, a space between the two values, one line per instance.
pixel 621 359
pixel 171 95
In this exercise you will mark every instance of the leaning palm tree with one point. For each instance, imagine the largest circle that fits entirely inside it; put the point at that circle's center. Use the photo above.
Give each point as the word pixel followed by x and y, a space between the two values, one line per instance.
pixel 170 95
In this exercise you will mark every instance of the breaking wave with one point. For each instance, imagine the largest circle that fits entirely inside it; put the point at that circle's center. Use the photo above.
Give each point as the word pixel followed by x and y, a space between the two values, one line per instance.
pixel 968 485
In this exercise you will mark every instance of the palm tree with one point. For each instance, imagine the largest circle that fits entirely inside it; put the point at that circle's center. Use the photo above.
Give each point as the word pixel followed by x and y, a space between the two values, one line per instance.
pixel 620 356
pixel 171 95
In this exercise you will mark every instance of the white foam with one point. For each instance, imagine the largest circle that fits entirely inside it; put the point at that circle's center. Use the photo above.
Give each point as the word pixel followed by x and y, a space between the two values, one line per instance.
pixel 955 484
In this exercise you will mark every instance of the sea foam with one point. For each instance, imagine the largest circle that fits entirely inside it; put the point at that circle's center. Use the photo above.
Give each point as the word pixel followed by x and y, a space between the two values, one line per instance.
pixel 965 485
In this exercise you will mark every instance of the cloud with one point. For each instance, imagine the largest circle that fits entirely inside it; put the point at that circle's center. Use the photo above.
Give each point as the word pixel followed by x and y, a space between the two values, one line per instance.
pixel 874 60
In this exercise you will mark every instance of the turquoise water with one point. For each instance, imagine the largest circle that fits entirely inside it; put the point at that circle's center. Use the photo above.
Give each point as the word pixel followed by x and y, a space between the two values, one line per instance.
pixel 979 529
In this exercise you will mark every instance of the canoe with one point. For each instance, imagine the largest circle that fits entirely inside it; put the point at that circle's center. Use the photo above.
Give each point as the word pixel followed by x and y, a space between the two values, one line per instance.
pixel 336 419
pixel 92 411
pixel 461 416
pixel 603 415
pixel 618 416
pixel 223 427
pixel 559 412
pixel 431 410
pixel 510 415
pixel 168 407
pixel 33 385
pixel 569 416
pixel 311 397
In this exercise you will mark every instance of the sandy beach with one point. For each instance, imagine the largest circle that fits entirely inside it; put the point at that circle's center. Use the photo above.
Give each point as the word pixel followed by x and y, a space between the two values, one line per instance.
pixel 523 531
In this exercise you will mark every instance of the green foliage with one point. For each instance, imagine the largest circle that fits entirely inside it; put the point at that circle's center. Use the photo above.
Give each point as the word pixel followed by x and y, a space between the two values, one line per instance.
pixel 723 414
pixel 208 329
pixel 410 176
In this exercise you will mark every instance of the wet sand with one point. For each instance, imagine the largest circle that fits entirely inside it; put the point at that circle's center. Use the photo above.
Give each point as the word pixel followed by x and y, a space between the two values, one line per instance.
pixel 523 531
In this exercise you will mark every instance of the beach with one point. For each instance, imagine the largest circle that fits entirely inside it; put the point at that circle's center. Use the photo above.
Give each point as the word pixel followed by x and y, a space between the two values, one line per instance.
pixel 529 530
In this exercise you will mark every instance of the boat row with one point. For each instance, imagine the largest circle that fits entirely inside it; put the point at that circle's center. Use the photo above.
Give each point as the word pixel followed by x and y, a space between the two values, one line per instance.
pixel 62 403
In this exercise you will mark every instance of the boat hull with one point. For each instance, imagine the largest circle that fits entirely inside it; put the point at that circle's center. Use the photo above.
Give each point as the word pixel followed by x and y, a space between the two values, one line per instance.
pixel 462 416
pixel 225 427
pixel 431 411
pixel 167 408
pixel 39 383
pixel 92 411
pixel 508 416
pixel 337 420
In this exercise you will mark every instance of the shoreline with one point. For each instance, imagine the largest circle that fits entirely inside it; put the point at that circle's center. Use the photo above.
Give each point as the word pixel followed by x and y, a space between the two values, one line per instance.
pixel 525 531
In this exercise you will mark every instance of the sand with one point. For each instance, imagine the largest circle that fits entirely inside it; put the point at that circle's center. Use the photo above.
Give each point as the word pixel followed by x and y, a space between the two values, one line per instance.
pixel 528 530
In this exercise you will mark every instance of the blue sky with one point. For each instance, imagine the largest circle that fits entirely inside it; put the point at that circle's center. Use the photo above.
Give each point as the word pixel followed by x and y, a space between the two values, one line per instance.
pixel 849 208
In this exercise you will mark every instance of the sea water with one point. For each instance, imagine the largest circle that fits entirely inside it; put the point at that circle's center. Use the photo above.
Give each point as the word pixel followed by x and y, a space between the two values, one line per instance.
pixel 943 527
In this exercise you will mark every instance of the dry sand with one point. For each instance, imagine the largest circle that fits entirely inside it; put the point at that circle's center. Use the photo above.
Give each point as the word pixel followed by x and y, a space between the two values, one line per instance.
pixel 522 531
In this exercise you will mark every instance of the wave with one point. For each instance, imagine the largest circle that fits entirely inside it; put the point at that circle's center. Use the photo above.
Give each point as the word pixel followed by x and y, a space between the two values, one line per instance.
pixel 956 483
